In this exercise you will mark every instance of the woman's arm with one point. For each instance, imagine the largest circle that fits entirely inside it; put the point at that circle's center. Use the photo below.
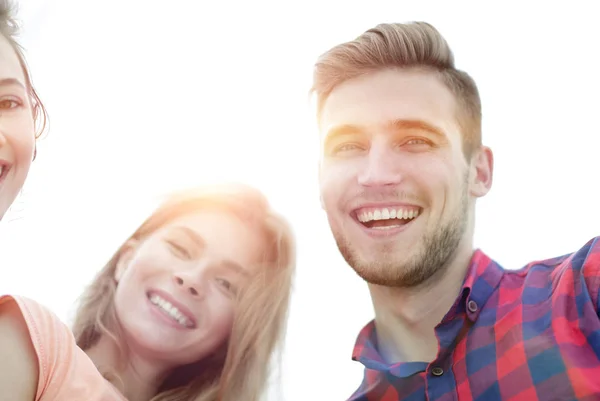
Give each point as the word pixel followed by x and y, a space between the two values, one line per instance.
pixel 18 361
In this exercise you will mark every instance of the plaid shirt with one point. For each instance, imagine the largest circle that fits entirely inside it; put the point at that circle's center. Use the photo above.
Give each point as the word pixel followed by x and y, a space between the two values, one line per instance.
pixel 526 335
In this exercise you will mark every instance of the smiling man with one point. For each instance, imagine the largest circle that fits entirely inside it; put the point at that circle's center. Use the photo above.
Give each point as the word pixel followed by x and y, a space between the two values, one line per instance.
pixel 401 168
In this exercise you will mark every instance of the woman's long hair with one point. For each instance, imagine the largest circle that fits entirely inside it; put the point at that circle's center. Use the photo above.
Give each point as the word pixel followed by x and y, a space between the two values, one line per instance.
pixel 240 370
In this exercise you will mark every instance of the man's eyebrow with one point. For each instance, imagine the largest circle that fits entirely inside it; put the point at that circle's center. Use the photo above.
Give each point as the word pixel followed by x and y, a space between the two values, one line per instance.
pixel 420 125
pixel 341 130
pixel 11 82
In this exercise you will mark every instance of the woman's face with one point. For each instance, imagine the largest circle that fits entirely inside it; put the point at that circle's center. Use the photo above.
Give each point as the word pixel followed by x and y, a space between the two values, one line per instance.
pixel 17 130
pixel 176 289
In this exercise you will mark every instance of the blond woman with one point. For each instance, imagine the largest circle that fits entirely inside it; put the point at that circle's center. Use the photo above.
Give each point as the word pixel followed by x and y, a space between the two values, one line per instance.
pixel 191 307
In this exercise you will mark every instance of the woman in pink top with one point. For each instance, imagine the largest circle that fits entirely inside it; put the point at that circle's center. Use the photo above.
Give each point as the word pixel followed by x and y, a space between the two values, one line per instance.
pixel 191 307
pixel 22 115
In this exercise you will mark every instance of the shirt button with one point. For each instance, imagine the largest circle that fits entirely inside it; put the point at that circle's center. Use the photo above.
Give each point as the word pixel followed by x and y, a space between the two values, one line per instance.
pixel 472 306
pixel 437 371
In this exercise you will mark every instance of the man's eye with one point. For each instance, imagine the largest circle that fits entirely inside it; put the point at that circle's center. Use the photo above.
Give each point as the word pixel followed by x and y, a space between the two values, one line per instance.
pixel 347 147
pixel 417 142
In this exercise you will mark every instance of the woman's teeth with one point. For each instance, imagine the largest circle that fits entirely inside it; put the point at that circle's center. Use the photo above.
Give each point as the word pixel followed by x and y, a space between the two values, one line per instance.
pixel 170 310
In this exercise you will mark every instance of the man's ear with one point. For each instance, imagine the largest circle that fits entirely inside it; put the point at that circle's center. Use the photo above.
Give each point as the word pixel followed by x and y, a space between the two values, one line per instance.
pixel 125 257
pixel 482 166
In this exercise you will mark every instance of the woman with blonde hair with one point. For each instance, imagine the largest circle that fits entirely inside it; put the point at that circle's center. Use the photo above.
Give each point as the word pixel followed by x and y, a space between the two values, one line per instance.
pixel 22 114
pixel 192 306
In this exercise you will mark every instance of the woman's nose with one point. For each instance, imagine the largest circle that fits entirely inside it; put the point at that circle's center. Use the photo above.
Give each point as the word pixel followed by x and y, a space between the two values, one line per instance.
pixel 189 284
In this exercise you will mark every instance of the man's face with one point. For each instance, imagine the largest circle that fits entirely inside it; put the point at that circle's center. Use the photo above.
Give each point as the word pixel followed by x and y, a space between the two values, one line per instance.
pixel 395 184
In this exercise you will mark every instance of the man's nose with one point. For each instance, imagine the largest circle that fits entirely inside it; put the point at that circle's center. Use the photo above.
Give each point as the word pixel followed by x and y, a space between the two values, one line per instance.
pixel 381 168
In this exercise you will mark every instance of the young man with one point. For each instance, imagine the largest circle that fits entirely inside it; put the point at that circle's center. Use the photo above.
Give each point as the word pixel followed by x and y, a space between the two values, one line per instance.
pixel 402 166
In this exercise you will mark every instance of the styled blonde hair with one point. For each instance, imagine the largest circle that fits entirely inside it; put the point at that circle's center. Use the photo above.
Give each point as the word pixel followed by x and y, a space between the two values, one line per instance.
pixel 10 30
pixel 411 45
pixel 241 368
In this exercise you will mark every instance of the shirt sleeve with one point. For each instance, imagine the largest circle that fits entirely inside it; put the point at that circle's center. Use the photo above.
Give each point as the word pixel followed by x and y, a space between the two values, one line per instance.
pixel 589 258
pixel 53 343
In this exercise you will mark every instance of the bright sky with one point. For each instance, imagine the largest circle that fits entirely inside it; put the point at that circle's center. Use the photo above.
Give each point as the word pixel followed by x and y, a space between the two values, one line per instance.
pixel 145 99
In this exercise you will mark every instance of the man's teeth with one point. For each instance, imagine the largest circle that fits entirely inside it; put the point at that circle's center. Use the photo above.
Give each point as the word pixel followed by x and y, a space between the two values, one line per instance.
pixel 170 310
pixel 387 214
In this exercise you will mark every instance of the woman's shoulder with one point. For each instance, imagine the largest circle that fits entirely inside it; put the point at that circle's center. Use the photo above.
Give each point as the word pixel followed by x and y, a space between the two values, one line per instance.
pixel 37 317
pixel 48 335
pixel 50 361
pixel 19 371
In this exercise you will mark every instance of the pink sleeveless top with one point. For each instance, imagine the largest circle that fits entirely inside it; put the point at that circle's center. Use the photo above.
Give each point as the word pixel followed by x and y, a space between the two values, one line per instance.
pixel 65 371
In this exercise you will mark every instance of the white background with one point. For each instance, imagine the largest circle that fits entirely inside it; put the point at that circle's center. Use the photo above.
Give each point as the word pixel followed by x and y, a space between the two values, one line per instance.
pixel 146 98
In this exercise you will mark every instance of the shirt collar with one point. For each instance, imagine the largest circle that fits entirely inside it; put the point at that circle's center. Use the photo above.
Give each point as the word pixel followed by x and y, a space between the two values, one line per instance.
pixel 482 279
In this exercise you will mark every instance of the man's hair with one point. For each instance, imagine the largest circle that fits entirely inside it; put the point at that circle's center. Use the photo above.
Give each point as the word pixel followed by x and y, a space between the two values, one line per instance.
pixel 415 45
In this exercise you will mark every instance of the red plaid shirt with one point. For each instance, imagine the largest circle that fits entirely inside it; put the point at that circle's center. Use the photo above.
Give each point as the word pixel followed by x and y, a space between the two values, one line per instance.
pixel 533 335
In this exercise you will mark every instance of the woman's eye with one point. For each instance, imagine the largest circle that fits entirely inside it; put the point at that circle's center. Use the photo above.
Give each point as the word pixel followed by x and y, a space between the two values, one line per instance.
pixel 179 250
pixel 226 284
pixel 8 104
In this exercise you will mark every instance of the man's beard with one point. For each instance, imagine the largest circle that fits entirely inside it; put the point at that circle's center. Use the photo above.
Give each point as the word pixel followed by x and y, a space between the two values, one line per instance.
pixel 435 252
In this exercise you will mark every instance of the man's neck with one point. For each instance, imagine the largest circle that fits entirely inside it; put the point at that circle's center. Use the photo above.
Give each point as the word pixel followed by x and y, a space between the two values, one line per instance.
pixel 138 378
pixel 406 317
